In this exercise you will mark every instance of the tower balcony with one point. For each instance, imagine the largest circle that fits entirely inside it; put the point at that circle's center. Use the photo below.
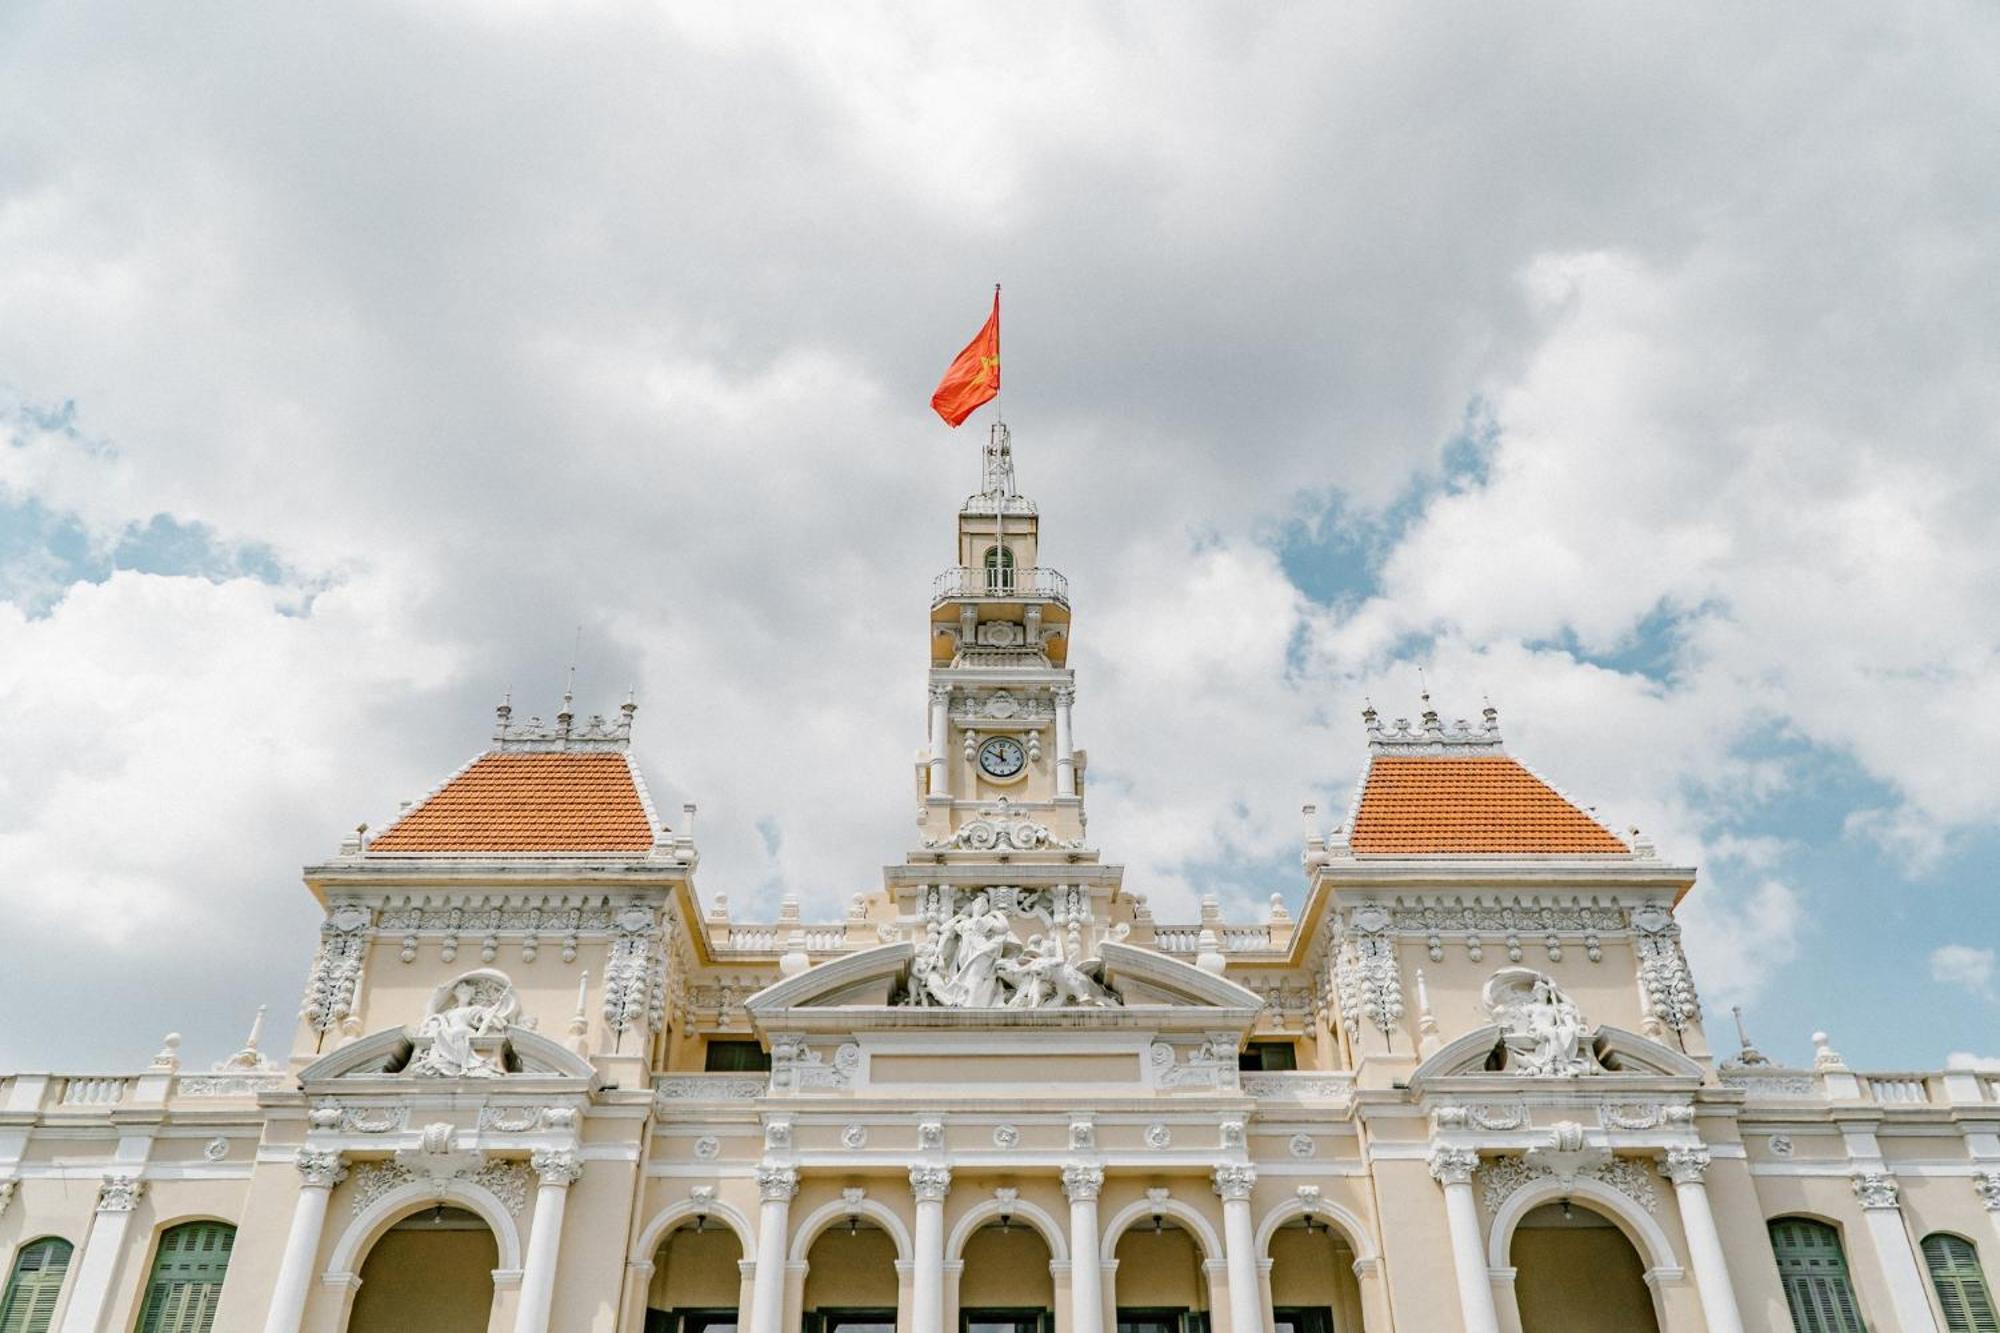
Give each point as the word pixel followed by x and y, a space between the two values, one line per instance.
pixel 965 583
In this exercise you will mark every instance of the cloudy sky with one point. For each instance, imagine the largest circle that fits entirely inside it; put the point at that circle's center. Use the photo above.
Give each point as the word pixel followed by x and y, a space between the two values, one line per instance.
pixel 1634 368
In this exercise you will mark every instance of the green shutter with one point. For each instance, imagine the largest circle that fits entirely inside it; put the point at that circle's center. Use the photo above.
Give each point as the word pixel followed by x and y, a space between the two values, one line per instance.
pixel 34 1285
pixel 187 1278
pixel 1961 1288
pixel 1814 1271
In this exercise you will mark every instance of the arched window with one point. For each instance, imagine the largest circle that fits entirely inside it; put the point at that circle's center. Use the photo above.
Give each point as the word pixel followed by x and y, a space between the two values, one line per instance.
pixel 187 1278
pixel 1961 1288
pixel 33 1286
pixel 999 569
pixel 1814 1270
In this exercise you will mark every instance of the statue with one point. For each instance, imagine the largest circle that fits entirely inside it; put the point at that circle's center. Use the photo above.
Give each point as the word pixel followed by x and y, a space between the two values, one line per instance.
pixel 466 1015
pixel 1543 1030
pixel 973 960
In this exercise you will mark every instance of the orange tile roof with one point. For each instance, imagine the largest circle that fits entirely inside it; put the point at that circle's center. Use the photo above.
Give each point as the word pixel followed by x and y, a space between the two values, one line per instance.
pixel 529 802
pixel 1440 805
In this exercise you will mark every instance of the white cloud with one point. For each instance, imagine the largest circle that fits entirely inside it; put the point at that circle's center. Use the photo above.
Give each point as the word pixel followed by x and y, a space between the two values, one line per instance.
pixel 1964 966
pixel 1985 1064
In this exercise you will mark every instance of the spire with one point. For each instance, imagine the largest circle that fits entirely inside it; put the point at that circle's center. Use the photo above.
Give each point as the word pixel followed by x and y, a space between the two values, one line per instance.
pixel 998 492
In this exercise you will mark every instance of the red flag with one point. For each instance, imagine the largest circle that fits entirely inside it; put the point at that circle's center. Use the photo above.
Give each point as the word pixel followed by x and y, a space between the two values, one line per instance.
pixel 974 377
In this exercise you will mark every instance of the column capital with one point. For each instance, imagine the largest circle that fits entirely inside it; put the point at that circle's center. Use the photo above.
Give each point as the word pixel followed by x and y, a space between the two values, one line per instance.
pixel 1064 695
pixel 930 1183
pixel 940 694
pixel 1685 1166
pixel 777 1184
pixel 555 1166
pixel 119 1194
pixel 1453 1166
pixel 1987 1185
pixel 1234 1183
pixel 320 1168
pixel 1877 1189
pixel 1081 1183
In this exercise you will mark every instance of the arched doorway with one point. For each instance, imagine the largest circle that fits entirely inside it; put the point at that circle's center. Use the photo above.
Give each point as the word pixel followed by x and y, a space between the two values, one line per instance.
pixel 1575 1272
pixel 851 1279
pixel 1005 1285
pixel 1161 1287
pixel 1313 1287
pixel 433 1270
pixel 696 1280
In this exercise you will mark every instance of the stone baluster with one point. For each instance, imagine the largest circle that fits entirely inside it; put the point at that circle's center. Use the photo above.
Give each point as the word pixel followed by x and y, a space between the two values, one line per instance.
pixel 1082 1185
pixel 1686 1168
pixel 1452 1168
pixel 557 1169
pixel 319 1171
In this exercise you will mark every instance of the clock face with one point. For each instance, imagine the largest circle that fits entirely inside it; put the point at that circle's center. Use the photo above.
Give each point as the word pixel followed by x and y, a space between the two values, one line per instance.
pixel 1002 757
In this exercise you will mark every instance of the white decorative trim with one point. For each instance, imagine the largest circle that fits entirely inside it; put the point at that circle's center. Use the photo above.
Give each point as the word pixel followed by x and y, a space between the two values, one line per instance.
pixel 1197 1225
pixel 386 1205
pixel 1051 1231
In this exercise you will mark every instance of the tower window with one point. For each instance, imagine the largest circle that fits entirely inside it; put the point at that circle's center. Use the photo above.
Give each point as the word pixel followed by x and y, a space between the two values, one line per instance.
pixel 735 1057
pixel 999 569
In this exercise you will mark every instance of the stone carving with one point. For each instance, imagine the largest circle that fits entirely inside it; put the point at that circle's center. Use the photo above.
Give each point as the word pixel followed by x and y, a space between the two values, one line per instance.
pixel 1301 1087
pixel 320 1169
pixel 1453 1166
pixel 1232 1134
pixel 1663 967
pixel 707 1146
pixel 229 1085
pixel 1502 1176
pixel 119 1194
pixel 1685 1166
pixel 635 988
pixel 336 971
pixel 930 1134
pixel 1234 1183
pixel 854 1136
pixel 1986 1184
pixel 519 1119
pixel 1542 1029
pixel 462 1034
pixel 1159 1136
pixel 1781 1145
pixel 973 960
pixel 1498 1117
pixel 1082 1135
pixel 1302 1145
pixel 930 1183
pixel 555 1166
pixel 7 1188
pixel 349 1119
pixel 214 1150
pixel 1366 975
pixel 506 1181
pixel 375 1179
pixel 1001 828
pixel 1876 1189
pixel 707 1087
pixel 1081 1182
pixel 778 1134
pixel 777 1183
pixel 1643 1115
pixel 1772 1087
pixel 1006 1136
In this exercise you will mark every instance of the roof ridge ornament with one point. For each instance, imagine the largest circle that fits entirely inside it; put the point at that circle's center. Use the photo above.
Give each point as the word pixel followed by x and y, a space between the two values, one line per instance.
pixel 998 492
pixel 535 736
pixel 1432 736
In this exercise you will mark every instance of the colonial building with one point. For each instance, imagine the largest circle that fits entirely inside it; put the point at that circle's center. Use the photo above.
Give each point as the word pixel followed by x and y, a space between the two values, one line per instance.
pixel 539 1082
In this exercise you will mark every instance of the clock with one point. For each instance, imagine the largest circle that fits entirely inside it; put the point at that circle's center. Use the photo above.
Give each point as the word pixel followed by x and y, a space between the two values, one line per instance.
pixel 1002 757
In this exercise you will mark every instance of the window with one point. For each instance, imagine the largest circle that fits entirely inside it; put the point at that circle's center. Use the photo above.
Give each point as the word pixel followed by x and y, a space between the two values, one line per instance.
pixel 999 569
pixel 1814 1271
pixel 33 1286
pixel 1961 1289
pixel 187 1278
pixel 690 1321
pixel 1302 1319
pixel 1267 1057
pixel 1152 1320
pixel 735 1057
pixel 850 1321
pixel 1021 1320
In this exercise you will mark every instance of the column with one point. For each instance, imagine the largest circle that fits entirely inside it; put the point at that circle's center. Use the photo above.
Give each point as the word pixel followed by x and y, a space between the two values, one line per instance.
pixel 1065 753
pixel 940 739
pixel 319 1172
pixel 557 1169
pixel 776 1187
pixel 1881 1209
pixel 1086 1270
pixel 1987 1184
pixel 1239 1248
pixel 1453 1168
pixel 117 1196
pixel 930 1184
pixel 1686 1167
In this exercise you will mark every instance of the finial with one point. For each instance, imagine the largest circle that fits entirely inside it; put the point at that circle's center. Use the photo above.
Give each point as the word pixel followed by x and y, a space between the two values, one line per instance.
pixel 1428 1040
pixel 1490 714
pixel 256 1029
pixel 579 1022
pixel 1749 1054
pixel 504 714
pixel 1431 722
pixel 169 1058
pixel 1824 1056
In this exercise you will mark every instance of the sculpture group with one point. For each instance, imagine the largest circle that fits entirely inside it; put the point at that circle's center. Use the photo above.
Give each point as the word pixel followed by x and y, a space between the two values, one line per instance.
pixel 974 960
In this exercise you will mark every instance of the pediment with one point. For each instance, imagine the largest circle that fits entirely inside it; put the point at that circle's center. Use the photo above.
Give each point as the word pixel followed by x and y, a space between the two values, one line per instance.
pixel 386 1055
pixel 1620 1055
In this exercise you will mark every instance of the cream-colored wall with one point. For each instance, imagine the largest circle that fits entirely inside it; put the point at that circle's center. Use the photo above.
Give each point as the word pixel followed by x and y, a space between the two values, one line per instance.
pixel 437 1282
pixel 1006 1269
pixel 394 993
pixel 1578 1279
pixel 851 1271
pixel 696 1270
pixel 1160 1269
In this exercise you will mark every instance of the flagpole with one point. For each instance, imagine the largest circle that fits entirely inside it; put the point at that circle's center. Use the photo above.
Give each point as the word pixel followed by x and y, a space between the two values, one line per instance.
pixel 995 437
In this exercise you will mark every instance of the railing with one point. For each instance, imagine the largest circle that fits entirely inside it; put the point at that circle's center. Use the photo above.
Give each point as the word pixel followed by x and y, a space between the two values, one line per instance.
pixel 1232 939
pixel 1898 1088
pixel 93 1091
pixel 965 581
pixel 776 939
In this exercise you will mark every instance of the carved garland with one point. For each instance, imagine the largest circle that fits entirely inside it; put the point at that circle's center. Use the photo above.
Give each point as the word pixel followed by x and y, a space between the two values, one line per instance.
pixel 635 991
pixel 1501 1177
pixel 1366 974
pixel 336 972
pixel 1663 968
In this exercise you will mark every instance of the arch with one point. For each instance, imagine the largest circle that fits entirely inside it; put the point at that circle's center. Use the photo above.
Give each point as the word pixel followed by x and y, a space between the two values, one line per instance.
pixel 1646 1234
pixel 824 1216
pixel 1952 1262
pixel 398 1203
pixel 656 1231
pixel 1197 1225
pixel 1811 1255
pixel 1033 1214
pixel 37 1272
pixel 1358 1238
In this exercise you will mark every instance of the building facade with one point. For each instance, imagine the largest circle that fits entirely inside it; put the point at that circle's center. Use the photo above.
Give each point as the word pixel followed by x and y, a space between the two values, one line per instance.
pixel 538 1083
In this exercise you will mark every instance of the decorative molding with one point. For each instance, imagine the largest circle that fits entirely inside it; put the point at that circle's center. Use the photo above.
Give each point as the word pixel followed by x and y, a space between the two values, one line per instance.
pixel 1234 1183
pixel 708 1088
pixel 707 1147
pixel 374 1179
pixel 7 1188
pixel 1986 1184
pixel 1635 1116
pixel 119 1194
pixel 506 1181
pixel 777 1184
pixel 215 1150
pixel 1782 1086
pixel 229 1085
pixel 555 1166
pixel 336 970
pixel 1302 1145
pixel 346 1118
pixel 1493 1117
pixel 635 986
pixel 854 1136
pixel 930 1183
pixel 1453 1166
pixel 1006 1136
pixel 1502 1176
pixel 1366 975
pixel 1877 1189
pixel 1080 1182
pixel 320 1168
pixel 1685 1166
pixel 1663 967
pixel 1299 1086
